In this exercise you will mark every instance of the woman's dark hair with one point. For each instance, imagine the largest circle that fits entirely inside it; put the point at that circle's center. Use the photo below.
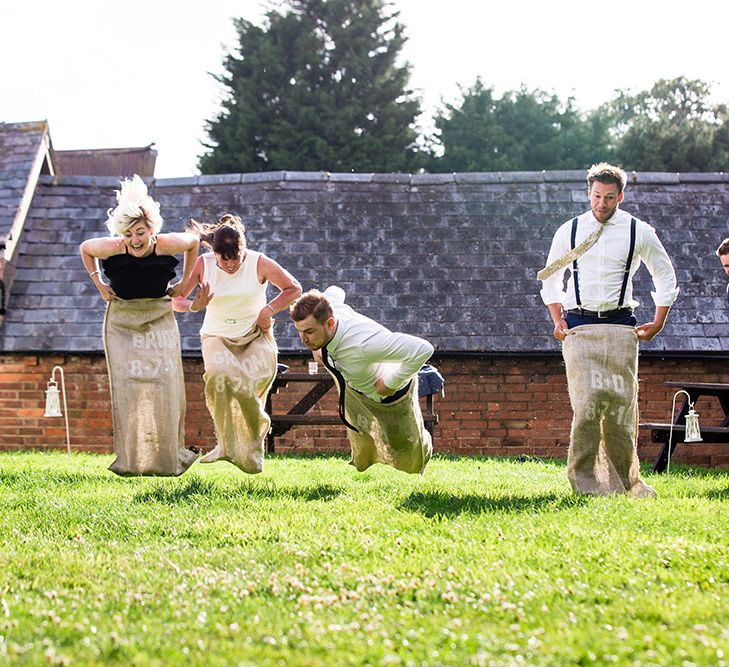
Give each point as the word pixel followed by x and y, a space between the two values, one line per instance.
pixel 225 238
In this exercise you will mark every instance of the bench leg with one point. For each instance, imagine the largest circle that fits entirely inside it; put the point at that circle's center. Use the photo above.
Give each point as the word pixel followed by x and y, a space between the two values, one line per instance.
pixel 270 446
pixel 661 462
pixel 430 426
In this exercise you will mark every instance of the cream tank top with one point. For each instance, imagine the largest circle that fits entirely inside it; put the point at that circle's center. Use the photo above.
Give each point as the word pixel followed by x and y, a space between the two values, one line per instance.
pixel 237 298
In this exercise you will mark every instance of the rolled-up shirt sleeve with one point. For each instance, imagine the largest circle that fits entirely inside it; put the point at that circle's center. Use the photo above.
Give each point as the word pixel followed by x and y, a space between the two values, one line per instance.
pixel 659 265
pixel 552 288
pixel 404 354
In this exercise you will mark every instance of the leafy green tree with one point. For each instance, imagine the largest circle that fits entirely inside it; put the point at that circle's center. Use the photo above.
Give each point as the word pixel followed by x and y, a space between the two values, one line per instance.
pixel 316 88
pixel 522 130
pixel 671 127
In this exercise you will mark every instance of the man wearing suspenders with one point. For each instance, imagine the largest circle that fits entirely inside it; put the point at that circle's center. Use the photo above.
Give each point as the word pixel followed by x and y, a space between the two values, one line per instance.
pixel 376 371
pixel 722 252
pixel 593 317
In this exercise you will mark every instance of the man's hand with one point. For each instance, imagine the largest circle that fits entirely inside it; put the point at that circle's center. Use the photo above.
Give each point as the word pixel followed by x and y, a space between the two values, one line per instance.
pixel 382 389
pixel 560 330
pixel 648 331
pixel 560 326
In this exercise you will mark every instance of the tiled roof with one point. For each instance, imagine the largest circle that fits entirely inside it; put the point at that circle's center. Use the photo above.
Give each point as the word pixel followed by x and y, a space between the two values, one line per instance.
pixel 107 161
pixel 19 147
pixel 450 257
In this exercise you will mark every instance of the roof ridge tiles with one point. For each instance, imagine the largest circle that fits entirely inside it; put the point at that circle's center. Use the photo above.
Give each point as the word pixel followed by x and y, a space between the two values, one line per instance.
pixel 435 178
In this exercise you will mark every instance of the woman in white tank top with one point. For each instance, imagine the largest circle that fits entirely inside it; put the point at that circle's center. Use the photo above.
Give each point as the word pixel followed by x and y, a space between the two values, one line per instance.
pixel 238 347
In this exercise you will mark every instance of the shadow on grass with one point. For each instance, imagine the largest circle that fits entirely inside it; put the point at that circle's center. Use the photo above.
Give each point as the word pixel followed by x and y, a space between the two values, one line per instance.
pixel 194 488
pixel 682 478
pixel 718 494
pixel 40 478
pixel 307 456
pixel 434 503
pixel 710 494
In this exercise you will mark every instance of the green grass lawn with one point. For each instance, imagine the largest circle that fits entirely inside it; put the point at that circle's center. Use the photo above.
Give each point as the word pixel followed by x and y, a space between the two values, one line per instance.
pixel 479 562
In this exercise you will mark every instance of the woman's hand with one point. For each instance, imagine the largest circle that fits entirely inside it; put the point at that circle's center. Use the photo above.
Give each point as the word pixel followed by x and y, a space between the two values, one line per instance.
pixel 265 318
pixel 105 290
pixel 203 297
pixel 176 289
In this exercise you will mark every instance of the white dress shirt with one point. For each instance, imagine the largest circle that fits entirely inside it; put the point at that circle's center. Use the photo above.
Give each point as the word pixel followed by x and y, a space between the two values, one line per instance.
pixel 601 268
pixel 364 351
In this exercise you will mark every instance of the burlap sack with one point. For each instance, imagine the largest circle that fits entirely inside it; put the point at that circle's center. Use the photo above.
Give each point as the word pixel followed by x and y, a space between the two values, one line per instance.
pixel 602 378
pixel 239 373
pixel 390 433
pixel 142 345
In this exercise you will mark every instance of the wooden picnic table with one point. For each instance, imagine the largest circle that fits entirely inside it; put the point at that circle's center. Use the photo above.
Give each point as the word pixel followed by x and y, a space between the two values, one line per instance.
pixel 660 432
pixel 300 415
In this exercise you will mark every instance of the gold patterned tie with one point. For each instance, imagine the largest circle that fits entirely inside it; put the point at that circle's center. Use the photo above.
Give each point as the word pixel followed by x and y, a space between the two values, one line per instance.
pixel 572 255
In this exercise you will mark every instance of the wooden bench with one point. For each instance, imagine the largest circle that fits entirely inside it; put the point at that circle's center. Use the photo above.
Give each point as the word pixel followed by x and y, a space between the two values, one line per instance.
pixel 299 414
pixel 660 432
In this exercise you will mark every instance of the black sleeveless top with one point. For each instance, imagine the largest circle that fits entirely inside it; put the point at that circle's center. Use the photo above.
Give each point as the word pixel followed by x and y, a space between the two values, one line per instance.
pixel 140 277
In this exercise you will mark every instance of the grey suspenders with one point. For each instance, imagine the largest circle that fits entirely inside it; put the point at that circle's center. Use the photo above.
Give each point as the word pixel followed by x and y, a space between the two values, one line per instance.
pixel 626 273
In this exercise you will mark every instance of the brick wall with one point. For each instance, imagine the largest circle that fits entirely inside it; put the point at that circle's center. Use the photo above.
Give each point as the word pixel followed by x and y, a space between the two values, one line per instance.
pixel 500 406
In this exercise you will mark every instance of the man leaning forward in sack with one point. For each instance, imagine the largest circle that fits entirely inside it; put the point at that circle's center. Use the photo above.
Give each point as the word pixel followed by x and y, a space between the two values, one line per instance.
pixel 603 248
pixel 376 374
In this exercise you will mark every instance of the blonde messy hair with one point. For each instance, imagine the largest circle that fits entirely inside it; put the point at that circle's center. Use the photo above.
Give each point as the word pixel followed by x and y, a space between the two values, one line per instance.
pixel 609 174
pixel 133 205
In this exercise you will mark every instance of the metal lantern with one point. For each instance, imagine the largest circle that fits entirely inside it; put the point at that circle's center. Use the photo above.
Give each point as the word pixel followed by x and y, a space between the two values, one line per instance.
pixel 693 432
pixel 53 402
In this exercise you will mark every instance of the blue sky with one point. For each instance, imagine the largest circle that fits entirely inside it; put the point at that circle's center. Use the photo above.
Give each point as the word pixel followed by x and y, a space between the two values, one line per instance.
pixel 107 75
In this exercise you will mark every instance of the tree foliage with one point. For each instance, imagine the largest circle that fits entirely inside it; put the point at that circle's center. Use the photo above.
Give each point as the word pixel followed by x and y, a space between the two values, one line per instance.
pixel 521 130
pixel 316 88
pixel 671 127
pixel 319 87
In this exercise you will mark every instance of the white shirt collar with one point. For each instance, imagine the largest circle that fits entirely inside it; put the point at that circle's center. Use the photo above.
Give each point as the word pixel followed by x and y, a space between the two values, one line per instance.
pixel 610 221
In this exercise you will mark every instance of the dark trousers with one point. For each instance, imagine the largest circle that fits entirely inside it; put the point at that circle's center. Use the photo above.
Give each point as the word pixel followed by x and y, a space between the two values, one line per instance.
pixel 574 320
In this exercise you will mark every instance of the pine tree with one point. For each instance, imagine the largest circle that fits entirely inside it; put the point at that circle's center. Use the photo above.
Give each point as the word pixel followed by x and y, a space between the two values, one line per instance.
pixel 316 88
